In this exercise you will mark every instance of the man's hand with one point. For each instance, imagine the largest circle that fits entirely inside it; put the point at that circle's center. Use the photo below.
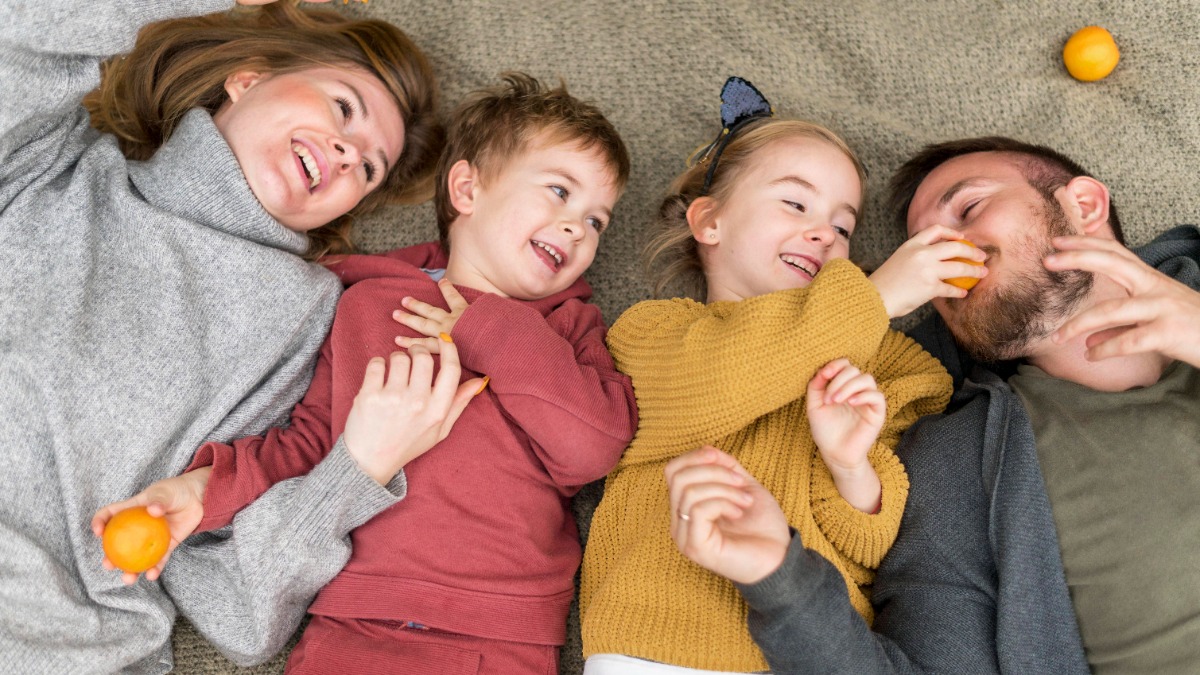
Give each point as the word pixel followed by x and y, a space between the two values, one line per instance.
pixel 396 420
pixel 1160 315
pixel 180 499
pixel 916 272
pixel 434 322
pixel 724 520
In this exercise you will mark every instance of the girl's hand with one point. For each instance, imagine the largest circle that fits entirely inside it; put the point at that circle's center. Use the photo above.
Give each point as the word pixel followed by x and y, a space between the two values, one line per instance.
pixel 724 520
pixel 1160 315
pixel 916 272
pixel 846 411
pixel 395 421
pixel 179 499
pixel 434 322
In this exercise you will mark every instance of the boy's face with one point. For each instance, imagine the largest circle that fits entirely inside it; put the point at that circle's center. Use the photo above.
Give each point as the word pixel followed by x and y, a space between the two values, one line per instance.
pixel 791 210
pixel 530 229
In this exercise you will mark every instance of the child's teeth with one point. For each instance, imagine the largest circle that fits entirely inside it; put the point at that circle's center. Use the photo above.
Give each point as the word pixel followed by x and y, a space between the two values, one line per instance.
pixel 310 164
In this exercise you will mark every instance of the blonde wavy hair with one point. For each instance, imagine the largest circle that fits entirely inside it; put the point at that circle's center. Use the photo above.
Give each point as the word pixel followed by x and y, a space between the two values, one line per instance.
pixel 672 255
pixel 180 64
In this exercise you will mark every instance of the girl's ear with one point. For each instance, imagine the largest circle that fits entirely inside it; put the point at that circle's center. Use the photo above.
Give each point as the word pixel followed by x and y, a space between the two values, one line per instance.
pixel 1087 200
pixel 461 181
pixel 702 220
pixel 240 82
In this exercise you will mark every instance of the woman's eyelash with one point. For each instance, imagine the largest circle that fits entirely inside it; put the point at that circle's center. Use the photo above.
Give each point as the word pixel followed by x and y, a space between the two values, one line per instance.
pixel 370 170
pixel 796 205
pixel 842 231
pixel 346 106
pixel 968 208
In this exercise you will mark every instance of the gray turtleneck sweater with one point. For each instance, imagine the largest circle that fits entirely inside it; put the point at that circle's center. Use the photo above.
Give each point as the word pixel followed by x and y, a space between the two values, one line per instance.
pixel 145 308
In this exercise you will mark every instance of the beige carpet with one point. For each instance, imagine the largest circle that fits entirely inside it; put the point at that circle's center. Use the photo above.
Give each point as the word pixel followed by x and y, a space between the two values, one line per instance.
pixel 889 76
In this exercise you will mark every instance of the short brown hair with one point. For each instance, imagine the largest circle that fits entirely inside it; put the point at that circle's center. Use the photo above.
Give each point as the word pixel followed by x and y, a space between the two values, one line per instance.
pixel 1044 169
pixel 495 124
pixel 179 64
pixel 672 256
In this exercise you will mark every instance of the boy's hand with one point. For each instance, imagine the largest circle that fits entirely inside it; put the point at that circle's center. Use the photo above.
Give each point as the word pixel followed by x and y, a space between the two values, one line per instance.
pixel 179 499
pixel 434 322
pixel 846 411
pixel 916 272
pixel 724 520
pixel 1160 315
pixel 395 421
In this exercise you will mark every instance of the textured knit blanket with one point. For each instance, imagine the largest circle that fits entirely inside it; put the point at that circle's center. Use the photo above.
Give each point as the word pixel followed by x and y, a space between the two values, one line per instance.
pixel 890 77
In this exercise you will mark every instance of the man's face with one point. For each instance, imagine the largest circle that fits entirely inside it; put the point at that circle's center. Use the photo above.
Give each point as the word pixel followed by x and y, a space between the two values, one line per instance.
pixel 987 197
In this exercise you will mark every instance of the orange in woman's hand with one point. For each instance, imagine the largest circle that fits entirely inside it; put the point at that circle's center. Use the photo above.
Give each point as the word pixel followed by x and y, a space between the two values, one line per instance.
pixel 1091 54
pixel 965 283
pixel 135 541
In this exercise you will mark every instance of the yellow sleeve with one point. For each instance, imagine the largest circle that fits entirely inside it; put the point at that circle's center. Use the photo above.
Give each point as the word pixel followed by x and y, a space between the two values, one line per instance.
pixel 703 372
pixel 915 384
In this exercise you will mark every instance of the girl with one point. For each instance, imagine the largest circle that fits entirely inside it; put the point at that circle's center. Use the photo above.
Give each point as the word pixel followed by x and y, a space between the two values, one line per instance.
pixel 157 294
pixel 769 371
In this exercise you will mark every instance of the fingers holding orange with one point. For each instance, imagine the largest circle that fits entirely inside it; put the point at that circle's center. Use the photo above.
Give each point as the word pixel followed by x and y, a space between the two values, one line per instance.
pixel 965 283
pixel 134 541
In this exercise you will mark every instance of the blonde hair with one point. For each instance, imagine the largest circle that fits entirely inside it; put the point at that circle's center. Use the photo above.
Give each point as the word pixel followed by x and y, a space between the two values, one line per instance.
pixel 494 125
pixel 180 64
pixel 672 256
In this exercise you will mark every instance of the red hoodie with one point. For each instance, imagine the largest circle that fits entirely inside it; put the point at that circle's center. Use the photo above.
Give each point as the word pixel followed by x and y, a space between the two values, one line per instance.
pixel 484 542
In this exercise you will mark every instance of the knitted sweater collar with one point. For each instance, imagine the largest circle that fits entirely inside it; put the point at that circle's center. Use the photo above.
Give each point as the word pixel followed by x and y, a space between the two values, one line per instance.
pixel 194 175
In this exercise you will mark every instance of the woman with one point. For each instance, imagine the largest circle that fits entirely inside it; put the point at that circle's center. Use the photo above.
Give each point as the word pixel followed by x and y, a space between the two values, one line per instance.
pixel 157 295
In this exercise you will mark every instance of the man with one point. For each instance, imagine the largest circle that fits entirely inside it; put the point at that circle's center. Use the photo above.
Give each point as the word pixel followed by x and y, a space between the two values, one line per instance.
pixel 1053 522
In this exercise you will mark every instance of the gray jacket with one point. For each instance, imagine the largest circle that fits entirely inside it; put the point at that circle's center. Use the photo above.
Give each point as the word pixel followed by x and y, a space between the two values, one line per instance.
pixel 145 307
pixel 974 583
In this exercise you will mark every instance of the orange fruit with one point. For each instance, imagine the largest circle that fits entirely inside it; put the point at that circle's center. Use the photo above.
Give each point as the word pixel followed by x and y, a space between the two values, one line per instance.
pixel 135 541
pixel 1091 54
pixel 965 283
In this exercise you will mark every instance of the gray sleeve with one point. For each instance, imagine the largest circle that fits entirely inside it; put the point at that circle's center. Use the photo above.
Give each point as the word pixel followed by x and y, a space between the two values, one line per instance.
pixel 934 593
pixel 247 587
pixel 50 50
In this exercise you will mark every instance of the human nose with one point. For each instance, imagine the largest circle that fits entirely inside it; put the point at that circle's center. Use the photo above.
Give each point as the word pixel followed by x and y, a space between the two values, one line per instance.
pixel 572 227
pixel 346 155
pixel 822 234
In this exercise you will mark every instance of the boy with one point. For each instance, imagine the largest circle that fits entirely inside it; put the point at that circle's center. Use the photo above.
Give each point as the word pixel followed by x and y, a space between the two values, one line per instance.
pixel 474 568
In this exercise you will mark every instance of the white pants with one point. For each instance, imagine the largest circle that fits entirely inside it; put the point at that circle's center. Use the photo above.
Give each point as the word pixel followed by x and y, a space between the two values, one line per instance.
pixel 619 664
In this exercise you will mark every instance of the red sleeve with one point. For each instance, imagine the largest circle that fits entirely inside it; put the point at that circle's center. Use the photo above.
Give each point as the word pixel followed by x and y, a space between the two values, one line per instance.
pixel 247 468
pixel 555 378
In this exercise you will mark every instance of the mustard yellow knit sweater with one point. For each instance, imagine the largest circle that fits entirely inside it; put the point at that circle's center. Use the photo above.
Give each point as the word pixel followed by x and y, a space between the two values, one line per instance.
pixel 734 374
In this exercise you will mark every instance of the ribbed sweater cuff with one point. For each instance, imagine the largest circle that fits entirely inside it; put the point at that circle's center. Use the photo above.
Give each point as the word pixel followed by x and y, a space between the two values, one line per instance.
pixel 338 492
pixel 863 537
pixel 790 583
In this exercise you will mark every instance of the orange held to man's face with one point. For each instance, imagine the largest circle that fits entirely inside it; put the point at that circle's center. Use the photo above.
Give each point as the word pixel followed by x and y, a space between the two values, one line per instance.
pixel 965 283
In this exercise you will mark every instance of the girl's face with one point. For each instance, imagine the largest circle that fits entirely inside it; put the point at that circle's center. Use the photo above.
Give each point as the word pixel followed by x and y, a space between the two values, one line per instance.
pixel 792 209
pixel 312 143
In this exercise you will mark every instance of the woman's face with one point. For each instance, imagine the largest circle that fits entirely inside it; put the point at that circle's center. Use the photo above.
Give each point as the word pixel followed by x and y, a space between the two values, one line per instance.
pixel 311 143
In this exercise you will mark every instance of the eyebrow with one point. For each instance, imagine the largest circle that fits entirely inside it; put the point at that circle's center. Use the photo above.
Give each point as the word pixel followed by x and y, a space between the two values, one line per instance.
pixel 568 178
pixel 958 187
pixel 796 180
pixel 362 105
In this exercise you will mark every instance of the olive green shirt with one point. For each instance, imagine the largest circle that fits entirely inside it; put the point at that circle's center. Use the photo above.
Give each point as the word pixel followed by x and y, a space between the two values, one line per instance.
pixel 1122 471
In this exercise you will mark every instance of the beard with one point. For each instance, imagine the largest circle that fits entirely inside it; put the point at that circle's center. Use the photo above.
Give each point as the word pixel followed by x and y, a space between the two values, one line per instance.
pixel 1002 322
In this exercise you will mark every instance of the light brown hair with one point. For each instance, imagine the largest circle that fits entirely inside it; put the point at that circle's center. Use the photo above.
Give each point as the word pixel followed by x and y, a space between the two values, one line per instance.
pixel 180 64
pixel 672 256
pixel 1044 169
pixel 496 124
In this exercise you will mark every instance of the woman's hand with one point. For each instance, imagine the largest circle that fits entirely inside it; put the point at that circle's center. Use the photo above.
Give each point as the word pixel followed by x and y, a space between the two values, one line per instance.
pixel 724 520
pixel 916 272
pixel 434 322
pixel 179 499
pixel 395 420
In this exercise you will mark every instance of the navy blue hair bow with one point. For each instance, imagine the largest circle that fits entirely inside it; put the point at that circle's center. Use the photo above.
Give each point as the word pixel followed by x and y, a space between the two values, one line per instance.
pixel 741 103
